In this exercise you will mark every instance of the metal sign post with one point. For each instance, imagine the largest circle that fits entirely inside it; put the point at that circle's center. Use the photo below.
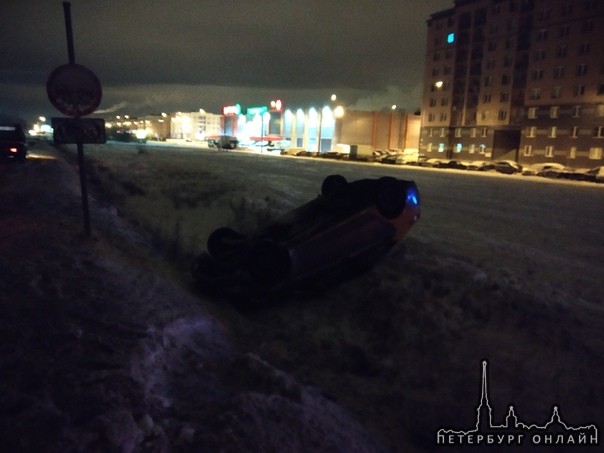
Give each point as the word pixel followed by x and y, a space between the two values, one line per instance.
pixel 76 91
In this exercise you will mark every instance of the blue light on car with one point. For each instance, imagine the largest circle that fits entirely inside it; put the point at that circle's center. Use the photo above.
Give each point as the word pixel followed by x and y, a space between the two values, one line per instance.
pixel 412 198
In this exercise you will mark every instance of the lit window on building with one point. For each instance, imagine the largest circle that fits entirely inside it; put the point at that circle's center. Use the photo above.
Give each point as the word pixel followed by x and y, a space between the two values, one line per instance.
pixel 553 112
pixel 595 153
pixel 553 132
pixel 527 150
pixel 572 153
pixel 549 151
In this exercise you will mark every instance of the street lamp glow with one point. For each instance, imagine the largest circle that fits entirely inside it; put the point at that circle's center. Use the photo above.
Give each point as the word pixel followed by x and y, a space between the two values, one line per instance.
pixel 333 98
pixel 338 112
pixel 439 84
pixel 277 105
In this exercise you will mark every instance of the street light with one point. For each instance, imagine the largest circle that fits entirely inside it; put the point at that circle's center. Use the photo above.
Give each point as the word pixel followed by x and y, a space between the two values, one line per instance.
pixel 277 107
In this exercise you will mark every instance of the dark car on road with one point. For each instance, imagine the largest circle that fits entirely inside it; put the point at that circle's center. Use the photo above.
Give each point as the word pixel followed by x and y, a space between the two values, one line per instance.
pixel 223 142
pixel 13 144
pixel 344 229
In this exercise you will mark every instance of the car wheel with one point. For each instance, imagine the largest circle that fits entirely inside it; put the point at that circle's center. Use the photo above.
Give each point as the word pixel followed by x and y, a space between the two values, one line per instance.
pixel 223 240
pixel 332 184
pixel 391 197
pixel 268 263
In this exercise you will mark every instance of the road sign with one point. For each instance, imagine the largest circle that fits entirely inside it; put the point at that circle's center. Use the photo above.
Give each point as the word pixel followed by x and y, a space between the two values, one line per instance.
pixel 78 130
pixel 74 90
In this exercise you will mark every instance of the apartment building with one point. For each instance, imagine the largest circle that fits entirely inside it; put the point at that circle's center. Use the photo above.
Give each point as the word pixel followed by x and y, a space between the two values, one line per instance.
pixel 515 79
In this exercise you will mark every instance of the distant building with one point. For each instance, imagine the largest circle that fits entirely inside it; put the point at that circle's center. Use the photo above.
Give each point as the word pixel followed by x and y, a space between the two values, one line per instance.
pixel 335 129
pixel 195 126
pixel 157 127
pixel 515 79
pixel 388 130
pixel 128 128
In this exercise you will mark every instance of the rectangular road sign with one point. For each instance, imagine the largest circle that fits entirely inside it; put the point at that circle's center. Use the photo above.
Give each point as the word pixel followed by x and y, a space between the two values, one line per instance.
pixel 78 130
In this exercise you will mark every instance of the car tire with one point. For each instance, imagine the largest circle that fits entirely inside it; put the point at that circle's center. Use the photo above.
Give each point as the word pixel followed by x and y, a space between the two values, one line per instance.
pixel 332 184
pixel 391 197
pixel 223 240
pixel 268 263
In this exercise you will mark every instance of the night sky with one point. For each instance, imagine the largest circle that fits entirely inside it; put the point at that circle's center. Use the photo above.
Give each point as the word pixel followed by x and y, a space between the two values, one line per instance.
pixel 162 56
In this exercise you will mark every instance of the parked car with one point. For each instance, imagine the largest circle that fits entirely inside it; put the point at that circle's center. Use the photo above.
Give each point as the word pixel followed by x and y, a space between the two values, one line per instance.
pixel 333 155
pixel 595 174
pixel 13 144
pixel 458 164
pixel 390 158
pixel 508 167
pixel 480 165
pixel 223 142
pixel 578 174
pixel 535 169
pixel 435 163
pixel 346 227
pixel 278 145
pixel 557 172
pixel 421 158
pixel 293 152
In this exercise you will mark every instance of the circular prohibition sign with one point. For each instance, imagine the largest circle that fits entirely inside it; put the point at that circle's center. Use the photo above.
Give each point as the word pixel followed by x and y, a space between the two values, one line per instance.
pixel 74 90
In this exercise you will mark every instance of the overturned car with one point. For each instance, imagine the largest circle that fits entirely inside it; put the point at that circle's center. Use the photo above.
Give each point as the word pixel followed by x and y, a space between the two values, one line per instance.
pixel 346 227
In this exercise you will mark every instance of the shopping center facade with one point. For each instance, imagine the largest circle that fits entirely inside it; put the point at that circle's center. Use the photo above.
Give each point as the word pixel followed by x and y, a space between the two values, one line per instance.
pixel 314 129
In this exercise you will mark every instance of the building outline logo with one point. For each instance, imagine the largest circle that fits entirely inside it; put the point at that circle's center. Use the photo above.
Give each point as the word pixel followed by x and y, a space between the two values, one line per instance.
pixel 512 431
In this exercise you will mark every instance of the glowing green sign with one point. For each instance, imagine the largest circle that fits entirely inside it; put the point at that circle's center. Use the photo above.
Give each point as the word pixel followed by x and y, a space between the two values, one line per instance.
pixel 257 110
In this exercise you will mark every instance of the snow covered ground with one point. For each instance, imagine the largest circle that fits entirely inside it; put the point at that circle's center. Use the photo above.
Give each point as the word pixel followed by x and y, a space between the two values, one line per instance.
pixel 503 268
